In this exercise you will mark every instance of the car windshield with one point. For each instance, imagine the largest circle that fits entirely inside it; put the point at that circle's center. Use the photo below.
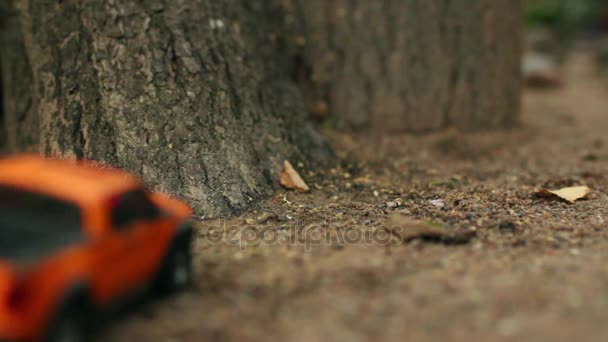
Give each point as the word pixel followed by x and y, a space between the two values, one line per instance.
pixel 33 225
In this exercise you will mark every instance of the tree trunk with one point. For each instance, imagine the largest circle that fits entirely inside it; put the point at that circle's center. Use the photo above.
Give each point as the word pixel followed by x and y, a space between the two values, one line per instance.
pixel 179 92
pixel 414 65
pixel 203 97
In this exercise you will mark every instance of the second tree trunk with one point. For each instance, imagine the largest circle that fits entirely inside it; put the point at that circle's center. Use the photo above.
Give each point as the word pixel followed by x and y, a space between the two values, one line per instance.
pixel 411 65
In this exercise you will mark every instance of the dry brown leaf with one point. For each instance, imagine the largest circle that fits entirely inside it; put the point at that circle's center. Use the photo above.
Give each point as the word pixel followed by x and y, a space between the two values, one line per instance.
pixel 570 194
pixel 291 179
pixel 406 230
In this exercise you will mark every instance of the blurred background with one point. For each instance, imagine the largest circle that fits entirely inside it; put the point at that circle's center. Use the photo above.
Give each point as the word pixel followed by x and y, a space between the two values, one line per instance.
pixel 556 28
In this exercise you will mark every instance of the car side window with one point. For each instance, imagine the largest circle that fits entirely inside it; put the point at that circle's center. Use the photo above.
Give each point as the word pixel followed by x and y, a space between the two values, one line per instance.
pixel 131 207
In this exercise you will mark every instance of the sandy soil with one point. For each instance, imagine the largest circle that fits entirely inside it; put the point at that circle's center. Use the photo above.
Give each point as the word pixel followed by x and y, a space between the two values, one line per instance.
pixel 326 270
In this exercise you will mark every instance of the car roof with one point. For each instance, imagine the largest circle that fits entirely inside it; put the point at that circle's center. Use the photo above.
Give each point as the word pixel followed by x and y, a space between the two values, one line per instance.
pixel 80 182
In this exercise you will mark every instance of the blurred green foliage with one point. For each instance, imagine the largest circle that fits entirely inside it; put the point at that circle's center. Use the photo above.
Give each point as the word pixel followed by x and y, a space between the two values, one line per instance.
pixel 564 14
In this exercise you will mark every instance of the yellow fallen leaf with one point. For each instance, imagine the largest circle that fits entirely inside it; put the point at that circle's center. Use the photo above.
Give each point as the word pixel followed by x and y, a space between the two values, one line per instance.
pixel 570 194
pixel 291 179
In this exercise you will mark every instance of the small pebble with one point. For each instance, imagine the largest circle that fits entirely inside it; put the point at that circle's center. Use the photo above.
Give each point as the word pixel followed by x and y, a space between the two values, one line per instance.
pixel 391 204
pixel 439 203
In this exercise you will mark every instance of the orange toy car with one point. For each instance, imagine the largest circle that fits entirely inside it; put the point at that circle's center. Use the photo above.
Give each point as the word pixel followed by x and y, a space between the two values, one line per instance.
pixel 75 238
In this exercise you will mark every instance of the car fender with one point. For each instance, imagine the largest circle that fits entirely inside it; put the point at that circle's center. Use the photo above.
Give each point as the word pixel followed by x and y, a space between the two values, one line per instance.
pixel 182 237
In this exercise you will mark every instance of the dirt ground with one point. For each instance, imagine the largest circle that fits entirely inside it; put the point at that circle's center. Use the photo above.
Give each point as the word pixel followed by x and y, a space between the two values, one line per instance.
pixel 326 270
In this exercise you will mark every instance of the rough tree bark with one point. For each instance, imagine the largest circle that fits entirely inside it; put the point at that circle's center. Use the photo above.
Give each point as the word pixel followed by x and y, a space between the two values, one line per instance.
pixel 179 92
pixel 414 65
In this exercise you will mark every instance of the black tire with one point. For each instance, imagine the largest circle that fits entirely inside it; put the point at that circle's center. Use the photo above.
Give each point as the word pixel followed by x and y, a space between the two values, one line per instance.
pixel 176 273
pixel 69 326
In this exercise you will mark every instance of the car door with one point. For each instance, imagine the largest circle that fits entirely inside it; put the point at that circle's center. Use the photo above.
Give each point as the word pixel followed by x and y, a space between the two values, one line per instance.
pixel 124 251
pixel 148 231
pixel 137 218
